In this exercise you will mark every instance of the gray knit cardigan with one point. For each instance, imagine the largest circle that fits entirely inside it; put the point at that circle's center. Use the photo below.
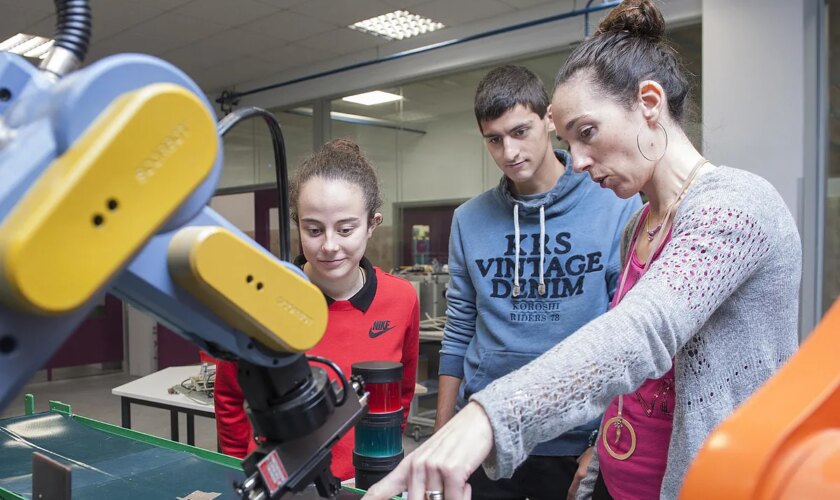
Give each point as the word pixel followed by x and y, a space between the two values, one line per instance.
pixel 721 300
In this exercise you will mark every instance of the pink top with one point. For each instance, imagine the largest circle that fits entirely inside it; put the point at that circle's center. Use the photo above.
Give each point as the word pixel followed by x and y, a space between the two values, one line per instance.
pixel 649 410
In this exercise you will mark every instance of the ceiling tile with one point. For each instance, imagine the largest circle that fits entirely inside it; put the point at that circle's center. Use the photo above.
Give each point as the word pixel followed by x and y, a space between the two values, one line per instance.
pixel 283 4
pixel 463 11
pixel 524 4
pixel 222 46
pixel 43 27
pixel 227 13
pixel 111 17
pixel 162 34
pixel 288 26
pixel 343 41
pixel 229 73
pixel 15 17
pixel 404 4
pixel 125 42
pixel 161 5
pixel 343 13
pixel 290 56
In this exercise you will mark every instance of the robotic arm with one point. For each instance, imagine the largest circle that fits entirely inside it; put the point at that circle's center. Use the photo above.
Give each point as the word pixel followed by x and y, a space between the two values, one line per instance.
pixel 105 175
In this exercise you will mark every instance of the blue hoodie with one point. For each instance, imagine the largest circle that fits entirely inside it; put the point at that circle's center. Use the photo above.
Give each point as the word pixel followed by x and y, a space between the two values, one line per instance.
pixel 563 284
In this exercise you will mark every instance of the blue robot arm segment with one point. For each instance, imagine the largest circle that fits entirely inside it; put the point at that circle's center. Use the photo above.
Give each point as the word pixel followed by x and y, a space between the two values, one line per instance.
pixel 44 126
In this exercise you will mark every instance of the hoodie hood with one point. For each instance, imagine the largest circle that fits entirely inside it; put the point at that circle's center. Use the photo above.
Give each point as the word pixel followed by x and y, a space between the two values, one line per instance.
pixel 560 199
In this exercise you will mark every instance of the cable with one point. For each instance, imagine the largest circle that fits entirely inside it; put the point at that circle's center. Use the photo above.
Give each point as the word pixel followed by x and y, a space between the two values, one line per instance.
pixel 281 168
pixel 345 386
pixel 202 384
pixel 189 386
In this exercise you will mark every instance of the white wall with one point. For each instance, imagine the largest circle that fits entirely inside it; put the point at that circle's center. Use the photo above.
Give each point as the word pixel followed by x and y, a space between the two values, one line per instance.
pixel 237 208
pixel 753 89
pixel 142 341
pixel 759 100
pixel 446 163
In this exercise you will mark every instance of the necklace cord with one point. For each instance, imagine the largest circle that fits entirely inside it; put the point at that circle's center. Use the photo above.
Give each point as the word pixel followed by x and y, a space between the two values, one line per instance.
pixel 618 421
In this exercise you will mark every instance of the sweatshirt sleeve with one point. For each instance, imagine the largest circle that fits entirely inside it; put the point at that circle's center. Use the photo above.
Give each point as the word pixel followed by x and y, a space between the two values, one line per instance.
pixel 460 308
pixel 232 423
pixel 411 349
pixel 613 354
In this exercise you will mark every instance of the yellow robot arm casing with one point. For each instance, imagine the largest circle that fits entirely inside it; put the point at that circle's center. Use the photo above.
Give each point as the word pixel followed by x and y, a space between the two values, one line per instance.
pixel 248 289
pixel 96 205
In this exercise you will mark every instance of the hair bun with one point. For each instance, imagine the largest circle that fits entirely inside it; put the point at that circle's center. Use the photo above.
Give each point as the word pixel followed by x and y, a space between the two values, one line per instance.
pixel 345 145
pixel 637 17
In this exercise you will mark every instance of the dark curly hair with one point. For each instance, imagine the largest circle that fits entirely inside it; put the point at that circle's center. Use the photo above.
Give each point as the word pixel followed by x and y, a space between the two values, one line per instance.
pixel 340 159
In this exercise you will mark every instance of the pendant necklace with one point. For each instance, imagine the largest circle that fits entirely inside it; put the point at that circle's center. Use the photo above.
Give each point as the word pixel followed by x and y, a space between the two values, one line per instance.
pixel 618 422
pixel 652 232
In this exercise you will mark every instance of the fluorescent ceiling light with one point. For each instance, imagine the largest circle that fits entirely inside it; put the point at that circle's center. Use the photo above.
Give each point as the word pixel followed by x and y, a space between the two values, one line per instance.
pixel 27 45
pixel 345 117
pixel 397 25
pixel 371 98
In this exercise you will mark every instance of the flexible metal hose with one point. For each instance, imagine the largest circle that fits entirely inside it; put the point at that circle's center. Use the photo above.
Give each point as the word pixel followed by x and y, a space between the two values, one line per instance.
pixel 73 26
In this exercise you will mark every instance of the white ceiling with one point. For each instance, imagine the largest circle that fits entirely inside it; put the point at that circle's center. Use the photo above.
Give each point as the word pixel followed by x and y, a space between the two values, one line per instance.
pixel 220 43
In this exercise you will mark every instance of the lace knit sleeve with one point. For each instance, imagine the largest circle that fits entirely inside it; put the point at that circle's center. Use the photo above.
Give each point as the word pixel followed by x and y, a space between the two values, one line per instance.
pixel 712 252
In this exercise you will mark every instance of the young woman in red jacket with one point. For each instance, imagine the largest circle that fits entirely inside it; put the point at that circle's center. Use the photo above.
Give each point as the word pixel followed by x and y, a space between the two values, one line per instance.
pixel 373 316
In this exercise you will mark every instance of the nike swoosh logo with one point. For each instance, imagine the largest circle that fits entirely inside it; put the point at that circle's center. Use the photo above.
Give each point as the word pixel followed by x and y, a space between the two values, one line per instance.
pixel 375 333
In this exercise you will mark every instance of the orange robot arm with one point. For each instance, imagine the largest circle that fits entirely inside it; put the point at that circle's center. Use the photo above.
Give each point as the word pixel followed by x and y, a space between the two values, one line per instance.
pixel 784 442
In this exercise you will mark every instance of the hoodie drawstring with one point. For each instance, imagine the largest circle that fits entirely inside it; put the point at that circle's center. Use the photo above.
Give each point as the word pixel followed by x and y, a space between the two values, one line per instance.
pixel 516 288
pixel 541 288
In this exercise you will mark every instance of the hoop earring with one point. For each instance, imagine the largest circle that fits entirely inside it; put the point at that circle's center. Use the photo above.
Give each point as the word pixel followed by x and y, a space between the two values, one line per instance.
pixel 639 145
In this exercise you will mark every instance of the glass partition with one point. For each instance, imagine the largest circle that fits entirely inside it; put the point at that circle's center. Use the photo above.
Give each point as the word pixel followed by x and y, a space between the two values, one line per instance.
pixel 249 154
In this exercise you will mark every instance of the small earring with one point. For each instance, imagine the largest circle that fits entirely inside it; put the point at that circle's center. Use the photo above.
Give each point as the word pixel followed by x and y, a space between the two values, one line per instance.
pixel 639 145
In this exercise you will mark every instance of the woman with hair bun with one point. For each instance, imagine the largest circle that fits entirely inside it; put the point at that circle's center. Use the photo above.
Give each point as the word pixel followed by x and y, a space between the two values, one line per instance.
pixel 373 316
pixel 705 311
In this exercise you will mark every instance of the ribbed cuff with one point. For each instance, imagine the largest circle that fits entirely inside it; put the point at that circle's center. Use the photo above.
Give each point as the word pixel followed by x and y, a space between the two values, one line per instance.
pixel 452 365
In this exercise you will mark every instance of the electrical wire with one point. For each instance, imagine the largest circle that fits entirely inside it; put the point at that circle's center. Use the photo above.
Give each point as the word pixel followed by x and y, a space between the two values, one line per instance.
pixel 188 389
pixel 281 168
pixel 431 323
pixel 202 384
pixel 345 386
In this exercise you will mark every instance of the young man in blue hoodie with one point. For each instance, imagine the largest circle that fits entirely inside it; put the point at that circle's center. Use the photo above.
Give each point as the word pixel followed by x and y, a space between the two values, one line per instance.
pixel 504 311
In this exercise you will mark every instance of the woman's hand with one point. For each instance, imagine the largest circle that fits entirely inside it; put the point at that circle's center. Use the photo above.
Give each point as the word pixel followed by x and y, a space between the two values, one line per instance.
pixel 443 463
pixel 583 465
